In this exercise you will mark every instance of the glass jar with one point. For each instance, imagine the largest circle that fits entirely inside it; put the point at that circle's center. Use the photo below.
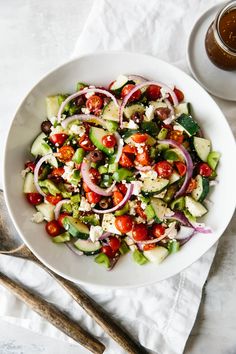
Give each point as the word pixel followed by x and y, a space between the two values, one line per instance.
pixel 220 41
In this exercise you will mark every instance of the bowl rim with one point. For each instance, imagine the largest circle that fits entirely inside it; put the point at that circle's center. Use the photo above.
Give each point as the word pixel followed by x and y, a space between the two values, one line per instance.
pixel 24 240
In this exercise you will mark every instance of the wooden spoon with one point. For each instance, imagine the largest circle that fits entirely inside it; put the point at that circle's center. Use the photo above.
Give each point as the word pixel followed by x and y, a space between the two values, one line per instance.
pixel 11 246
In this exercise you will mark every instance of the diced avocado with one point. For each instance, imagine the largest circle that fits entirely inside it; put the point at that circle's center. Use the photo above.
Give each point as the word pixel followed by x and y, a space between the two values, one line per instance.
pixel 87 247
pixel 213 159
pixel 52 188
pixel 65 237
pixel 52 106
pixel 78 155
pixel 111 112
pixel 188 124
pixel 151 186
pixel 40 147
pixel 29 186
pixel 195 208
pixel 47 210
pixel 75 227
pixel 156 255
pixel 202 147
pixel 202 188
pixel 133 108
pixel 96 135
pixel 150 128
pixel 159 207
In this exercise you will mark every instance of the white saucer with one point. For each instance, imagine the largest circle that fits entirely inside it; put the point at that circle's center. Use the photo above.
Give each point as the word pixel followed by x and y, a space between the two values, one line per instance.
pixel 216 81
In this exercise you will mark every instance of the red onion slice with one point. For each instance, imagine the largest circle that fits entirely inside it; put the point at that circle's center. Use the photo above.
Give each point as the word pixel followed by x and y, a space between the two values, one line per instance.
pixel 37 168
pixel 83 92
pixel 84 118
pixel 120 144
pixel 189 164
pixel 58 207
pixel 127 196
pixel 138 87
pixel 105 236
pixel 85 166
pixel 179 216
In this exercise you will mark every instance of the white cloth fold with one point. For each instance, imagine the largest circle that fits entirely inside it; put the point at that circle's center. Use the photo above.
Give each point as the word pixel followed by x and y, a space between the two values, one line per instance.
pixel 160 316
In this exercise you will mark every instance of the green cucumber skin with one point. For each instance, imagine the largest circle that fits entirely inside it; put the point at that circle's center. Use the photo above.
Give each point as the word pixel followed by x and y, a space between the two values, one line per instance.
pixel 187 122
pixel 73 227
pixel 96 135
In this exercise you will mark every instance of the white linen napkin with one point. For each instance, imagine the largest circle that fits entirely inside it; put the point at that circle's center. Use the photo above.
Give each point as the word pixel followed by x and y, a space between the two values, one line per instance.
pixel 160 316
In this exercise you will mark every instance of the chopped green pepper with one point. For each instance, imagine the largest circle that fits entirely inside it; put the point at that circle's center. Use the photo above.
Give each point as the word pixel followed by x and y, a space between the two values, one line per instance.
pixel 170 155
pixel 173 246
pixel 139 258
pixel 103 259
pixel 122 174
pixel 78 155
pixel 102 169
pixel 162 134
pixel 150 213
pixel 178 204
pixel 124 248
pixel 213 159
pixel 123 211
pixel 75 198
pixel 80 86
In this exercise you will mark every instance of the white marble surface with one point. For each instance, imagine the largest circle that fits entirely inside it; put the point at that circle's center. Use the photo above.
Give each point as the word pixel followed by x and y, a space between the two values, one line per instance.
pixel 36 36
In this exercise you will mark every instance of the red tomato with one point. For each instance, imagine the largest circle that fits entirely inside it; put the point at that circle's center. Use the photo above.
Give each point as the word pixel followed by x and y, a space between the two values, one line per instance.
pixel 114 243
pixel 58 139
pixel 61 218
pixel 58 172
pixel 158 230
pixel 163 169
pixel 53 199
pixel 86 143
pixel 179 95
pixel 93 198
pixel 140 232
pixel 126 90
pixel 30 165
pixel 94 175
pixel 108 251
pixel 149 247
pixel 153 92
pixel 143 158
pixel 192 185
pixel 181 167
pixel 122 188
pixel 86 188
pixel 53 228
pixel 94 103
pixel 65 153
pixel 109 141
pixel 34 198
pixel 125 161
pixel 139 138
pixel 205 170
pixel 176 135
pixel 117 197
pixel 124 223
pixel 128 149
pixel 140 211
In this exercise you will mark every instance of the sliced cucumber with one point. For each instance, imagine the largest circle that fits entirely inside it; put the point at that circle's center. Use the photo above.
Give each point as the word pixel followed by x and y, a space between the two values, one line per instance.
pixel 52 106
pixel 174 177
pixel 156 255
pixel 154 185
pixel 75 227
pixel 120 82
pixel 29 186
pixel 159 207
pixel 213 159
pixel 202 188
pixel 96 135
pixel 65 237
pixel 150 128
pixel 188 124
pixel 111 112
pixel 87 247
pixel 202 147
pixel 47 210
pixel 183 108
pixel 39 146
pixel 133 108
pixel 195 208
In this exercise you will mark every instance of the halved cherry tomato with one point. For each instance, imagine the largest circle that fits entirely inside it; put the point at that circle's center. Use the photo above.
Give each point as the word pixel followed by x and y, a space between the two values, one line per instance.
pixel 140 232
pixel 58 139
pixel 31 165
pixel 108 251
pixel 94 174
pixel 93 198
pixel 163 169
pixel 117 197
pixel 125 161
pixel 205 170
pixel 34 198
pixel 109 141
pixel 128 149
pixel 53 199
pixel 158 230
pixel 61 218
pixel 58 172
pixel 143 158
pixel 86 188
pixel 126 90
pixel 139 138
pixel 86 143
pixel 53 228
pixel 122 188
pixel 114 243
pixel 94 103
pixel 181 167
pixel 176 135
pixel 192 185
pixel 124 223
pixel 65 153
pixel 140 211
pixel 179 95
pixel 153 92
pixel 149 247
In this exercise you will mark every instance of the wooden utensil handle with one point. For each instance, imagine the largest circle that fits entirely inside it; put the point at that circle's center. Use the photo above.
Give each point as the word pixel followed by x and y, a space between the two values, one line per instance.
pixel 53 315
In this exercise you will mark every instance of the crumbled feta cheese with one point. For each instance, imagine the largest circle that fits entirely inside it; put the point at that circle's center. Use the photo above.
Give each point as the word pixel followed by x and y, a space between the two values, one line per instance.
pixel 137 187
pixel 149 113
pixel 148 174
pixel 130 125
pixel 108 224
pixel 37 217
pixel 143 205
pixel 95 232
pixel 140 220
pixel 70 164
pixel 84 205
pixel 85 110
pixel 68 172
pixel 24 172
pixel 132 206
pixel 89 94
pixel 77 129
pixel 164 93
pixel 178 127
pixel 57 130
pixel 53 119
pixel 129 241
pixel 171 231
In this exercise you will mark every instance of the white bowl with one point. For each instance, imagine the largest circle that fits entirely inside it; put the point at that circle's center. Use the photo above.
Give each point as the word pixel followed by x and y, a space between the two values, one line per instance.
pixel 100 69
